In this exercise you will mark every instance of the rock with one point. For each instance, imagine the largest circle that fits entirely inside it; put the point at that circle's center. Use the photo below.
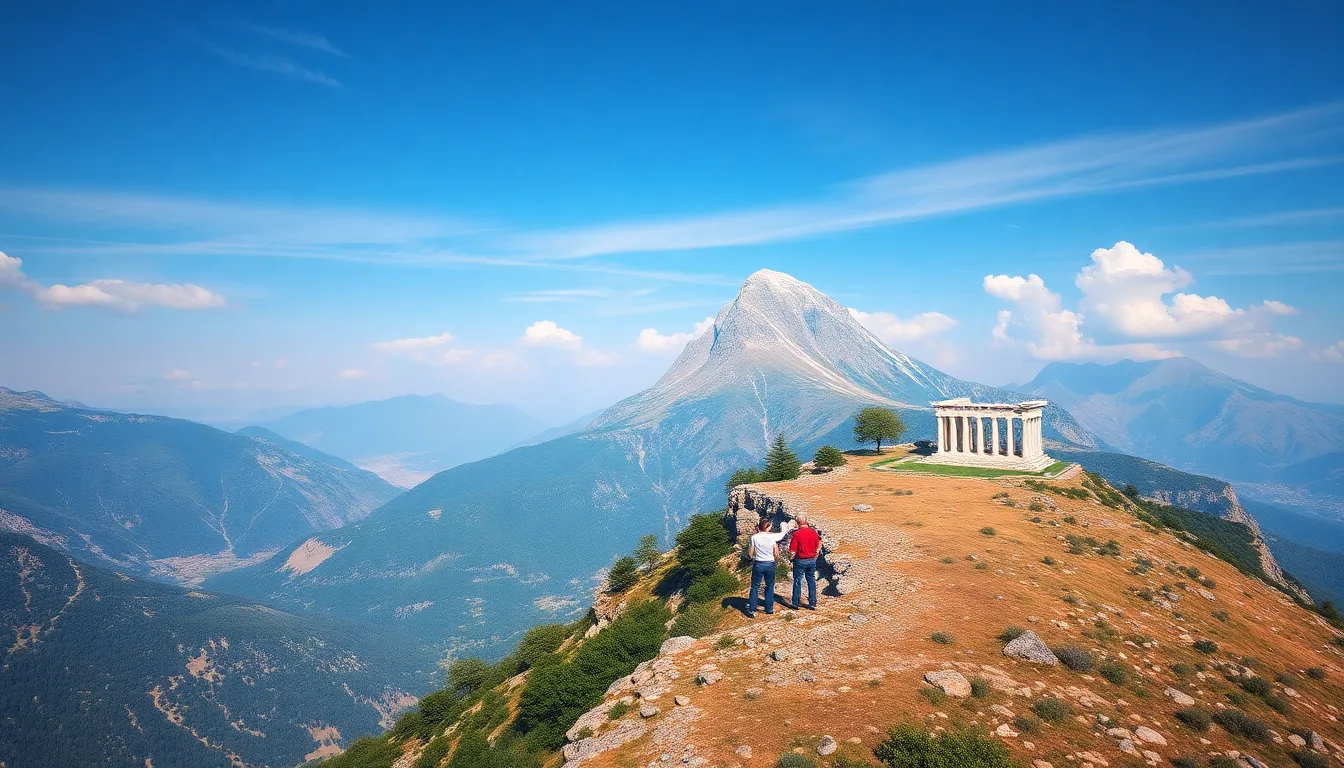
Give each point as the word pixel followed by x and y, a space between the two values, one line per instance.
pixel 826 745
pixel 858 618
pixel 626 731
pixel 754 693
pixel 1296 741
pixel 743 751
pixel 1178 696
pixel 952 683
pixel 1253 761
pixel 674 645
pixel 1029 646
pixel 807 677
pixel 1149 736
pixel 1127 746
pixel 1119 733
pixel 708 677
pixel 1000 710
pixel 1004 731
pixel 780 655
pixel 682 701
pixel 862 507
pixel 621 685
pixel 1315 740
pixel 648 710
pixel 1041 764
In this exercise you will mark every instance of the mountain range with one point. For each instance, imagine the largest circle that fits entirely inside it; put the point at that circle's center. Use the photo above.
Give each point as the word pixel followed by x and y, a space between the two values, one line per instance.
pixel 478 553
pixel 406 439
pixel 104 669
pixel 154 495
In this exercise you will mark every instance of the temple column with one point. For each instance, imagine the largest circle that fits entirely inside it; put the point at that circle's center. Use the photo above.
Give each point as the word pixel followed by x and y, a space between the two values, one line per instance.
pixel 994 437
pixel 979 434
pixel 1035 438
pixel 942 448
pixel 965 434
pixel 1012 450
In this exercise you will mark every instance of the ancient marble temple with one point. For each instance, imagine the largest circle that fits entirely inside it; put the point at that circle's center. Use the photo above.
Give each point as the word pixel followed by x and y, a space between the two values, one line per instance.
pixel 998 435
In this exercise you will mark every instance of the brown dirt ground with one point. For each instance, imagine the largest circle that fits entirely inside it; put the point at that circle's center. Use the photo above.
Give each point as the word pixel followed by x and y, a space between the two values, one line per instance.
pixel 869 676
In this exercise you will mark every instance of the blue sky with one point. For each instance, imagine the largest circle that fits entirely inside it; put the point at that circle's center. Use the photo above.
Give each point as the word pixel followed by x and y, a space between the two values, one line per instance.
pixel 215 211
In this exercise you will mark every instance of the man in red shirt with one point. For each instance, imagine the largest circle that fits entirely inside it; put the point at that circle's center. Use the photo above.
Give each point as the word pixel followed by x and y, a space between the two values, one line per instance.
pixel 804 548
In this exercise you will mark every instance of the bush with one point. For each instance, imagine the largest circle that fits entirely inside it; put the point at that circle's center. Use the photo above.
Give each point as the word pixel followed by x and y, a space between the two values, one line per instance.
pixel 948 560
pixel 1075 658
pixel 1222 761
pixel 618 710
pixel 1185 761
pixel 980 687
pixel 1238 723
pixel 698 620
pixel 1316 673
pixel 743 477
pixel 1036 506
pixel 623 575
pixel 1311 760
pixel 1182 670
pixel 434 752
pixel 1048 560
pixel 1114 672
pixel 1028 723
pixel 909 746
pixel 709 588
pixel 539 642
pixel 943 638
pixel 795 760
pixel 1009 634
pixel 725 642
pixel 701 544
pixel 988 531
pixel 1052 710
pixel 828 457
pixel 1206 646
pixel 934 695
pixel 1279 704
pixel 1195 718
pixel 1257 686
pixel 1222 616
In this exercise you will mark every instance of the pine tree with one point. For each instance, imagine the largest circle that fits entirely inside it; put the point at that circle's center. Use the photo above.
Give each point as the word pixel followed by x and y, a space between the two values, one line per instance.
pixel 647 552
pixel 623 575
pixel 828 457
pixel 781 463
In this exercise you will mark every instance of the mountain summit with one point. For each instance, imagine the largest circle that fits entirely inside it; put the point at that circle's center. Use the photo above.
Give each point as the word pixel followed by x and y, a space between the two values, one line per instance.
pixel 781 359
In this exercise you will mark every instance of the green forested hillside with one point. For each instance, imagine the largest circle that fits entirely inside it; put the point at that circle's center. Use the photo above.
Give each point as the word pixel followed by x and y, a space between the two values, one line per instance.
pixel 102 669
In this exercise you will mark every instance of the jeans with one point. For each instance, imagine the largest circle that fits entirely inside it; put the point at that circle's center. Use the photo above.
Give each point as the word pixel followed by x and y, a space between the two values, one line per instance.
pixel 806 567
pixel 762 571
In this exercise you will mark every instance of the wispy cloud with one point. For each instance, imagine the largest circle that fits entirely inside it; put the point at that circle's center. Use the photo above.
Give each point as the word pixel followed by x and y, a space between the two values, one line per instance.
pixel 266 62
pixel 1270 259
pixel 1277 218
pixel 308 40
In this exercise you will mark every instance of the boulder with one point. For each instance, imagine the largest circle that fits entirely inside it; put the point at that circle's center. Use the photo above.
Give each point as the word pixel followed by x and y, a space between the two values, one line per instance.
pixel 648 710
pixel 708 677
pixel 626 731
pixel 951 682
pixel 826 746
pixel 1149 736
pixel 1029 646
pixel 674 645
pixel 681 701
pixel 862 507
pixel 1178 696
pixel 1296 741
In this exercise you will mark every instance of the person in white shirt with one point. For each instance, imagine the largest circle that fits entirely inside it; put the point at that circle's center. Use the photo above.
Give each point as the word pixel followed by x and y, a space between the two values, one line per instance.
pixel 763 551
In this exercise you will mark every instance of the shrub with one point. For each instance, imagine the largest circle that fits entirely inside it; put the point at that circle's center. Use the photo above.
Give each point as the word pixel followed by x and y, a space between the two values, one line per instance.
pixel 1072 599
pixel 1110 548
pixel 1185 761
pixel 744 476
pixel 828 457
pixel 1052 710
pixel 1279 704
pixel 943 638
pixel 1195 718
pixel 710 587
pixel 1222 761
pixel 1009 634
pixel 1238 723
pixel 981 566
pixel 434 752
pixel 1113 671
pixel 980 687
pixel 1036 506
pixel 539 642
pixel 618 710
pixel 725 642
pixel 1222 616
pixel 1311 760
pixel 1256 685
pixel 1070 519
pixel 934 695
pixel 1027 723
pixel 909 746
pixel 947 560
pixel 795 760
pixel 1048 560
pixel 1239 699
pixel 698 620
pixel 1075 658
pixel 988 531
pixel 623 575
pixel 1206 646
pixel 1182 670
pixel 1316 673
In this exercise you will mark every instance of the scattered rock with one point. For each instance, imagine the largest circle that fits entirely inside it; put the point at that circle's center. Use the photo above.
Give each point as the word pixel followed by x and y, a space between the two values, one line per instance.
pixel 1315 740
pixel 743 751
pixel 754 693
pixel 1119 733
pixel 807 677
pixel 674 645
pixel 1253 761
pixel 826 745
pixel 1000 710
pixel 858 618
pixel 626 731
pixel 952 683
pixel 648 710
pixel 708 677
pixel 682 701
pixel 1041 764
pixel 780 655
pixel 1296 741
pixel 1029 646
pixel 1127 746
pixel 1148 735
pixel 862 507
pixel 1005 731
pixel 1178 696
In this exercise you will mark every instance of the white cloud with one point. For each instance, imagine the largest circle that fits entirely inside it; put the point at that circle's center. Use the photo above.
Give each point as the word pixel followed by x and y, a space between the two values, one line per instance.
pixel 650 340
pixel 414 346
pixel 545 333
pixel 266 62
pixel 1124 289
pixel 1259 345
pixel 119 295
pixel 894 331
pixel 177 374
pixel 352 374
pixel 1334 352
pixel 1279 308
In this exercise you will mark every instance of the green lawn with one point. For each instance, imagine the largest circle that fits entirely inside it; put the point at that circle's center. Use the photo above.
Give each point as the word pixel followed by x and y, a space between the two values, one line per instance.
pixel 906 464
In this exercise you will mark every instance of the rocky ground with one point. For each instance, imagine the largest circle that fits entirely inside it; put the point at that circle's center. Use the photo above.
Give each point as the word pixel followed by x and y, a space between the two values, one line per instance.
pixel 925 575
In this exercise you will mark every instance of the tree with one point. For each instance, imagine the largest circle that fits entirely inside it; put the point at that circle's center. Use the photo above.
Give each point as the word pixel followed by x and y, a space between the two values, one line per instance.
pixel 465 676
pixel 647 552
pixel 873 425
pixel 781 463
pixel 623 575
pixel 828 457
pixel 744 476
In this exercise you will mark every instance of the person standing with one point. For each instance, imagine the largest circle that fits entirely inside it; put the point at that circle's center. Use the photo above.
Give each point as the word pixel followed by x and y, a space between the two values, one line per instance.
pixel 763 551
pixel 804 546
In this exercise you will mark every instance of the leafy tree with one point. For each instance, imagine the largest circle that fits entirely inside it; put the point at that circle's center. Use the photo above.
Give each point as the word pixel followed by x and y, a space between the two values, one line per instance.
pixel 539 642
pixel 624 574
pixel 465 676
pixel 701 544
pixel 781 463
pixel 828 457
pixel 744 476
pixel 873 425
pixel 647 552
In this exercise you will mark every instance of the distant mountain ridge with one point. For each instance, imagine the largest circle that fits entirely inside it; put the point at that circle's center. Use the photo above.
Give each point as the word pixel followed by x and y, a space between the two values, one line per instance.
pixel 104 669
pixel 408 438
pixel 478 553
pixel 150 494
